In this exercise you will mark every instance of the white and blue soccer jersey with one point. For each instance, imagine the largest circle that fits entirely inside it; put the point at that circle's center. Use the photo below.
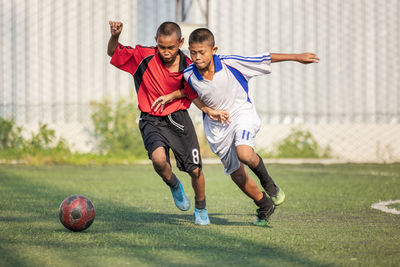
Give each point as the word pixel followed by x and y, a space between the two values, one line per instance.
pixel 229 91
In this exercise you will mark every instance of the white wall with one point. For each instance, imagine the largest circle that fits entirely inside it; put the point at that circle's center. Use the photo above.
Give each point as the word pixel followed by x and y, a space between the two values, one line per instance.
pixel 53 62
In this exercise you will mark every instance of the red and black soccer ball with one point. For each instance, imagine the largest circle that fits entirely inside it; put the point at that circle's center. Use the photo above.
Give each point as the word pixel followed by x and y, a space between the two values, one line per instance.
pixel 77 213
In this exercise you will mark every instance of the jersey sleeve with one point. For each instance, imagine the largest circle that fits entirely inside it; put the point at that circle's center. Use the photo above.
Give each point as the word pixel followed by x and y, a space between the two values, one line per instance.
pixel 189 91
pixel 249 66
pixel 126 58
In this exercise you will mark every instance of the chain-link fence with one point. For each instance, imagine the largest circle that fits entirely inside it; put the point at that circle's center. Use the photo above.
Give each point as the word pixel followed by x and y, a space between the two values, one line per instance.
pixel 53 62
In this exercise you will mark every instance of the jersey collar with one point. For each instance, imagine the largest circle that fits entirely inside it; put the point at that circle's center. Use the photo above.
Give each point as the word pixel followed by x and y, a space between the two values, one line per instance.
pixel 217 67
pixel 182 61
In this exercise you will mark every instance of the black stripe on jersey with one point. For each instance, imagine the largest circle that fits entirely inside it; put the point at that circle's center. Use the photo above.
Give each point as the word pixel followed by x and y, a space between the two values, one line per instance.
pixel 142 46
pixel 182 63
pixel 138 76
pixel 123 47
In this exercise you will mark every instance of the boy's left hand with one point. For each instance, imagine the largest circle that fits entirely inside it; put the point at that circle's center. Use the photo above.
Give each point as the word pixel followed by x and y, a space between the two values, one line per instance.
pixel 161 102
pixel 307 58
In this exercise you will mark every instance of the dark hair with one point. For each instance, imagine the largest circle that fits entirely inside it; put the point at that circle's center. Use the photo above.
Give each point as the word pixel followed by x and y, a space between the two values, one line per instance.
pixel 168 28
pixel 201 35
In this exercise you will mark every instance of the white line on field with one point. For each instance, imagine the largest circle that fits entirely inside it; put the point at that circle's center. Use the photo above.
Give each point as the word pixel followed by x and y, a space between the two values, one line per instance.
pixel 382 206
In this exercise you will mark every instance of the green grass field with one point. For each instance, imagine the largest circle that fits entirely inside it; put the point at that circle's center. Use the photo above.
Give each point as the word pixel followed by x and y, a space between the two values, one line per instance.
pixel 326 221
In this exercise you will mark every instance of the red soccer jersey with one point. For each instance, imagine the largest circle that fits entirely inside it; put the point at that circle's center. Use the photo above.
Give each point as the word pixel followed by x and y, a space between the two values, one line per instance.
pixel 152 78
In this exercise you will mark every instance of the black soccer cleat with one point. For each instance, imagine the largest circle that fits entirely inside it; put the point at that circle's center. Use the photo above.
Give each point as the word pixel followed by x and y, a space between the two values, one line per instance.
pixel 263 216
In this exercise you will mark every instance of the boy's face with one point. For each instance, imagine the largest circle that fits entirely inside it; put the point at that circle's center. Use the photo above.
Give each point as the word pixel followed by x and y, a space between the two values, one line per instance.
pixel 202 54
pixel 168 46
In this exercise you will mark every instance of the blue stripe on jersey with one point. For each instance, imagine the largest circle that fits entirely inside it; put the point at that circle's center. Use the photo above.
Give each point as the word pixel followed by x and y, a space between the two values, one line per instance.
pixel 248 60
pixel 244 132
pixel 217 63
pixel 241 79
pixel 217 67
pixel 189 68
pixel 241 57
pixel 191 85
pixel 248 133
pixel 197 73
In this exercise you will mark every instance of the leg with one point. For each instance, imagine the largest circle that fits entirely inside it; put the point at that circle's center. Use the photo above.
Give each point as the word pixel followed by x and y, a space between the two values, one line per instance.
pixel 155 144
pixel 249 187
pixel 185 146
pixel 198 184
pixel 162 167
pixel 154 134
pixel 247 156
pixel 246 184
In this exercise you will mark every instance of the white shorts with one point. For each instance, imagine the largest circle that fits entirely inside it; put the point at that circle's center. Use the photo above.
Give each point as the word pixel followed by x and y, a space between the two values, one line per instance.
pixel 223 139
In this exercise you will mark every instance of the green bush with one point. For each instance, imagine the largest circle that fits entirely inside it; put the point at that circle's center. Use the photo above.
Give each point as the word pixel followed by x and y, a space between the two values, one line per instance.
pixel 10 135
pixel 298 144
pixel 301 144
pixel 116 128
pixel 41 147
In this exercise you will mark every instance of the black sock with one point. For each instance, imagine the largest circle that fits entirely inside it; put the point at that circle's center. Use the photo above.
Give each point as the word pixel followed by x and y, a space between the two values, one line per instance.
pixel 200 204
pixel 266 181
pixel 265 205
pixel 172 182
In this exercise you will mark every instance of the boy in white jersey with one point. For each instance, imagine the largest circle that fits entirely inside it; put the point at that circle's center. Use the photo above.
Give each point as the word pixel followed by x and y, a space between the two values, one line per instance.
pixel 221 83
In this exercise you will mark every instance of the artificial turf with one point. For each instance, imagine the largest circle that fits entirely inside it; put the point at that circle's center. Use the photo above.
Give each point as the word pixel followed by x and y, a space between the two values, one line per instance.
pixel 326 220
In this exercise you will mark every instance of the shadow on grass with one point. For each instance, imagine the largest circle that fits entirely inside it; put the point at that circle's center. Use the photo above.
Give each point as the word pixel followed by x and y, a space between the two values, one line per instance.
pixel 157 239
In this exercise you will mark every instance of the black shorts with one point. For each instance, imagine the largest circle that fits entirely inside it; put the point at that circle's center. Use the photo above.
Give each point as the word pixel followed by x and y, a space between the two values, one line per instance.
pixel 175 132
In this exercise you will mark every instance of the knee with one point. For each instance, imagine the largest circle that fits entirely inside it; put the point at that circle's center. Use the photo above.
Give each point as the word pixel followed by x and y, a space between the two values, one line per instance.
pixel 196 173
pixel 159 162
pixel 244 157
pixel 247 158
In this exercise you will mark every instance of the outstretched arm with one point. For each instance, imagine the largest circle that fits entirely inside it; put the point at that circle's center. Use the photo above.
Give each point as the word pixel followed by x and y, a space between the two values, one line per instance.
pixel 116 29
pixel 305 58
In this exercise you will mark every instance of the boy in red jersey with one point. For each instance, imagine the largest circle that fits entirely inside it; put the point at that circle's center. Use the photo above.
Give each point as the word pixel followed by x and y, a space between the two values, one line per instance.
pixel 158 71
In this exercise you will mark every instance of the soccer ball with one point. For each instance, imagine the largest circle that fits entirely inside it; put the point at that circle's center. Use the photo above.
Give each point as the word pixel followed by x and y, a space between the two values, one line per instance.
pixel 77 213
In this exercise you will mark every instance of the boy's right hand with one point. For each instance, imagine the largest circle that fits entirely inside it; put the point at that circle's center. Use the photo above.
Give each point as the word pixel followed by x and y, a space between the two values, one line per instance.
pixel 219 115
pixel 116 28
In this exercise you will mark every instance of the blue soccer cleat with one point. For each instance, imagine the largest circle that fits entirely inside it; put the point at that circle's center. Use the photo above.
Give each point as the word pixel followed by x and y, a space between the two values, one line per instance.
pixel 201 217
pixel 180 199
